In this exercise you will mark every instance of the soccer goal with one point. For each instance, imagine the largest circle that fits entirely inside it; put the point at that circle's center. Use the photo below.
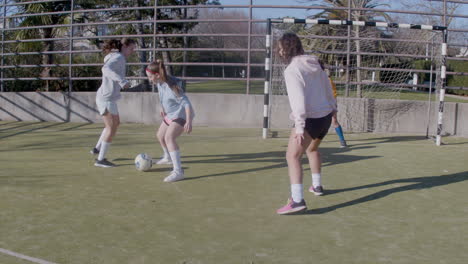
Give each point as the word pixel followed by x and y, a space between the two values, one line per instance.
pixel 374 65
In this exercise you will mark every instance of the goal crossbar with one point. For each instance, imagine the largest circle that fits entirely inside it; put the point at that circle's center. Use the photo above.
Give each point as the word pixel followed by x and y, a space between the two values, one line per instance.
pixel 269 53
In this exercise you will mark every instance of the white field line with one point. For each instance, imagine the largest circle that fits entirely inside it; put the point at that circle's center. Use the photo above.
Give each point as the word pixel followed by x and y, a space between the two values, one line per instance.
pixel 21 256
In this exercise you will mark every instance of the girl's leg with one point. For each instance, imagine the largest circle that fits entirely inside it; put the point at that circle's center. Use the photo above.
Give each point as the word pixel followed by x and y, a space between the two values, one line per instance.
pixel 338 130
pixel 173 131
pixel 160 135
pixel 293 158
pixel 315 162
pixel 111 122
pixel 101 138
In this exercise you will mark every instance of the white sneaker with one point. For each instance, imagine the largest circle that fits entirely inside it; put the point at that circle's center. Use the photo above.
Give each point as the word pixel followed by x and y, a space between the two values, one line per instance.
pixel 162 161
pixel 174 176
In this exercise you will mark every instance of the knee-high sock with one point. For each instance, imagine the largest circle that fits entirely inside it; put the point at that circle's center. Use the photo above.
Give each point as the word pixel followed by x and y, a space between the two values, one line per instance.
pixel 339 132
pixel 176 162
pixel 166 153
pixel 104 148
pixel 101 138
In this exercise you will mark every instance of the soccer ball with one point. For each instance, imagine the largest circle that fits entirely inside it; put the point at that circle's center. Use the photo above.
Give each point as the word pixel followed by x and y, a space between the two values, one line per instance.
pixel 143 162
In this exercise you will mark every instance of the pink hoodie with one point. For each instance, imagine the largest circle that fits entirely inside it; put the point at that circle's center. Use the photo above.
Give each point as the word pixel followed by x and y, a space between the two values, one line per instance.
pixel 309 90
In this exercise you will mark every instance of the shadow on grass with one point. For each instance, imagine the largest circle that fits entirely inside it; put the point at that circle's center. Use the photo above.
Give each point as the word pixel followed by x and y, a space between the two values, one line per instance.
pixel 31 130
pixel 418 184
pixel 276 157
pixel 395 139
pixel 20 125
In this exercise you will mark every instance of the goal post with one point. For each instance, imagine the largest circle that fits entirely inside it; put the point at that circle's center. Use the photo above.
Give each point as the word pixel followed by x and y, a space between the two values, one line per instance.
pixel 374 72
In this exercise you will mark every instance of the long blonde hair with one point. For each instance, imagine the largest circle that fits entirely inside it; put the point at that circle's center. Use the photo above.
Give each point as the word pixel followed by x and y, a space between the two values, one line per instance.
pixel 157 67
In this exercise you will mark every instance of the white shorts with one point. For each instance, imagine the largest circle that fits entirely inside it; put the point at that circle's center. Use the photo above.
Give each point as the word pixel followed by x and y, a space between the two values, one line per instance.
pixel 107 106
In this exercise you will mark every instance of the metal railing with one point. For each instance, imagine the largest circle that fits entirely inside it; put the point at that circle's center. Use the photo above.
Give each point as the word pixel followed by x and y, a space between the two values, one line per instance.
pixel 71 35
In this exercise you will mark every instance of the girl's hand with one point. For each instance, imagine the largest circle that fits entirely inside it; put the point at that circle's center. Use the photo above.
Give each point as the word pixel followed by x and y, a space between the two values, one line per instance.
pixel 298 138
pixel 163 114
pixel 127 85
pixel 188 127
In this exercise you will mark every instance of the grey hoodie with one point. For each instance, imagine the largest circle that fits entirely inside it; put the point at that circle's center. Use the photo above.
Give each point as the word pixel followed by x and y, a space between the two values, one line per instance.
pixel 113 77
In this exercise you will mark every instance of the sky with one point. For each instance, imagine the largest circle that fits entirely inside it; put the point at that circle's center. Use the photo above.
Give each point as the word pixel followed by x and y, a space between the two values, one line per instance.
pixel 263 13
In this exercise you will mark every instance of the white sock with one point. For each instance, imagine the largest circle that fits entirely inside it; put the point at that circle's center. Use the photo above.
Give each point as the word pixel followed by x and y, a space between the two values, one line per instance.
pixel 175 157
pixel 166 153
pixel 316 180
pixel 297 192
pixel 104 148
pixel 101 138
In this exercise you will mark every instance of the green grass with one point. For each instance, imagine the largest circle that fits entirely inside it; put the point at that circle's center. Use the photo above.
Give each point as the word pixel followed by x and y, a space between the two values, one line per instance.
pixel 234 87
pixel 257 87
pixel 391 199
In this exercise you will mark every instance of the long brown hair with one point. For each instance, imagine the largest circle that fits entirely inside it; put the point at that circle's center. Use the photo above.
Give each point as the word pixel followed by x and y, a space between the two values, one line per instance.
pixel 157 67
pixel 291 45
pixel 115 44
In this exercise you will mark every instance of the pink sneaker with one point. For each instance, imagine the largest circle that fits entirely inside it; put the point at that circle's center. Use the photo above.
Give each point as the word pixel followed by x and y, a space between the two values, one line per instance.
pixel 316 190
pixel 292 207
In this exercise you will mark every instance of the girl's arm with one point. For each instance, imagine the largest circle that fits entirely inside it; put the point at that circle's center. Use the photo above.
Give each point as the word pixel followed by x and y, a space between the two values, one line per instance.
pixel 162 112
pixel 295 86
pixel 188 123
pixel 109 70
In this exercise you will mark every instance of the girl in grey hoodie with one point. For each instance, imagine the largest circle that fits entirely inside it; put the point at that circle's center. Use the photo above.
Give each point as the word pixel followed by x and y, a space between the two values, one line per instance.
pixel 176 113
pixel 113 80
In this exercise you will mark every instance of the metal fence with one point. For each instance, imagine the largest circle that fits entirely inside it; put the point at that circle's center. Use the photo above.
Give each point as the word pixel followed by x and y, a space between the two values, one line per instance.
pixel 72 62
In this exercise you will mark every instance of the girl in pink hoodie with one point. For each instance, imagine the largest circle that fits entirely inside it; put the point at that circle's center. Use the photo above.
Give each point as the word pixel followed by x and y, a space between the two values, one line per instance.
pixel 312 104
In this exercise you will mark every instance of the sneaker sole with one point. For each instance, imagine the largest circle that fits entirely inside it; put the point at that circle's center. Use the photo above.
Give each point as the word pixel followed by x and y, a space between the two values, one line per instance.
pixel 174 180
pixel 102 166
pixel 295 210
pixel 163 163
pixel 317 193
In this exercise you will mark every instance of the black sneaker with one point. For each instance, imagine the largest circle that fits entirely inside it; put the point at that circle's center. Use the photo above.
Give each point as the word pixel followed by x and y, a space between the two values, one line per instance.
pixel 104 163
pixel 94 151
pixel 343 144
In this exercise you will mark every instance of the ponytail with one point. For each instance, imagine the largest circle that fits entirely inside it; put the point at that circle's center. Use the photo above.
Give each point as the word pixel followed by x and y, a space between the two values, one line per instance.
pixel 157 67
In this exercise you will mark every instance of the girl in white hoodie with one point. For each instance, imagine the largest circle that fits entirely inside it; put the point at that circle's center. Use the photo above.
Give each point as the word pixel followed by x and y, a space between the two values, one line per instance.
pixel 113 80
pixel 312 104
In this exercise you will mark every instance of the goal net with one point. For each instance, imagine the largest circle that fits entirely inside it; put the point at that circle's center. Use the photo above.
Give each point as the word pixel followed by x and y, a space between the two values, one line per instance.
pixel 375 70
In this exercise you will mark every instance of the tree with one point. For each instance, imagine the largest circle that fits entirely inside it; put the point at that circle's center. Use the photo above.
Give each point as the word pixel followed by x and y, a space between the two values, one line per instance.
pixel 357 32
pixel 162 28
pixel 220 42
pixel 47 32
pixel 437 7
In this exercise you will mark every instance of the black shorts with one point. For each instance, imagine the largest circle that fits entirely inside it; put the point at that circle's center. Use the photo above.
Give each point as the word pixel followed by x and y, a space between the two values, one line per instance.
pixel 318 127
pixel 179 121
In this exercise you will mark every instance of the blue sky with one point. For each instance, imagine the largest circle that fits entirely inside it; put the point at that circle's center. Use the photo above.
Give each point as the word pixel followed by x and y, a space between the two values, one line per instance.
pixel 301 13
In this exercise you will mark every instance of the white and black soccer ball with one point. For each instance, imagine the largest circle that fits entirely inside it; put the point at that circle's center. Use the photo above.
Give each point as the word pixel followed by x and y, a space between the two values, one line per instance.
pixel 143 162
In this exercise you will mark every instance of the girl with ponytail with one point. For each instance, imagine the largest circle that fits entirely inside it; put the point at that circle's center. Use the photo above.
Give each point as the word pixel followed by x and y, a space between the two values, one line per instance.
pixel 113 80
pixel 176 113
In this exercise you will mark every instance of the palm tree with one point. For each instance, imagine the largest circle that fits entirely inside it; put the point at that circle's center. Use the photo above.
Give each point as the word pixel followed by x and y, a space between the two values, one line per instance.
pixel 342 14
pixel 43 33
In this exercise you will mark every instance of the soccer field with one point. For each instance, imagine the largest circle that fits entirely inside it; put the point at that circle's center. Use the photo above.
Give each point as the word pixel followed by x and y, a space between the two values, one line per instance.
pixel 389 199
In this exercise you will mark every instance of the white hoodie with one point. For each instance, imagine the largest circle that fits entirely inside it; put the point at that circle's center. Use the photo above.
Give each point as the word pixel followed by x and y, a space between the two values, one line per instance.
pixel 309 90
